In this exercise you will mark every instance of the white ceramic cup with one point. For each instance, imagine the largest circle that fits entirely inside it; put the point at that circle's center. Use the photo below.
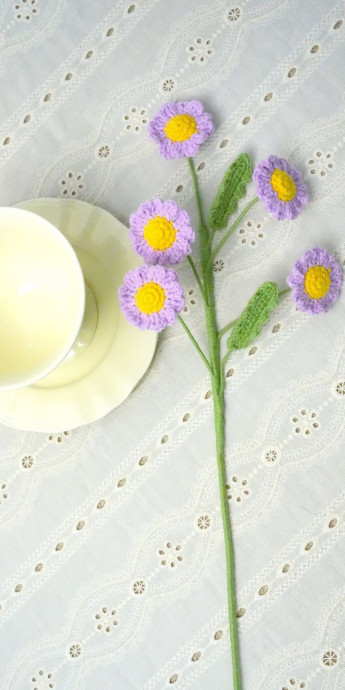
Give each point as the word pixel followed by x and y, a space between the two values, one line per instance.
pixel 42 298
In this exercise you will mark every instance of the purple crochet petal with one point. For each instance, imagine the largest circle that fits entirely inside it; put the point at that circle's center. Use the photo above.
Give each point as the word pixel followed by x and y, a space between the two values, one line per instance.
pixel 172 212
pixel 179 149
pixel 194 108
pixel 296 280
pixel 278 208
pixel 156 208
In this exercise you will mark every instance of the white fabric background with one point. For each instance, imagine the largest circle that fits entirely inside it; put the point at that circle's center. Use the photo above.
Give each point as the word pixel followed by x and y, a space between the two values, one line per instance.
pixel 84 513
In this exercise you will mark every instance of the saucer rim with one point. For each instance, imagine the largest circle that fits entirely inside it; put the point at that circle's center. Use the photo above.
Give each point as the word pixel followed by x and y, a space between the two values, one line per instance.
pixel 13 415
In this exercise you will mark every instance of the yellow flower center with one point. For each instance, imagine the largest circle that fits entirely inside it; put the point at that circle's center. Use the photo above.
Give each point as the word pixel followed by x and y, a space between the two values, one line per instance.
pixel 317 281
pixel 150 298
pixel 283 184
pixel 180 127
pixel 159 233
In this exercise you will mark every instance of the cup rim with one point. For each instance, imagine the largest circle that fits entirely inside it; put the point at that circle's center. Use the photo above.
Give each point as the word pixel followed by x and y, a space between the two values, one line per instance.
pixel 58 358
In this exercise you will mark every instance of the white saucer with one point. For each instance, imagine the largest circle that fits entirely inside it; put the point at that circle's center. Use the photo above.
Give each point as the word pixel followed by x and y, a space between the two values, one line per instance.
pixel 99 377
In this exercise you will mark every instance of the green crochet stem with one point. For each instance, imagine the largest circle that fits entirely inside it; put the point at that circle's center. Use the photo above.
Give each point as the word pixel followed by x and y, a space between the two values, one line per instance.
pixel 196 274
pixel 196 345
pixel 284 292
pixel 203 231
pixel 216 366
pixel 227 328
pixel 219 424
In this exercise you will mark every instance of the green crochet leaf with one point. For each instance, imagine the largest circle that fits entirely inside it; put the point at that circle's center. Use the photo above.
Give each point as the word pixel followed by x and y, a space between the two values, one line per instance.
pixel 254 316
pixel 232 188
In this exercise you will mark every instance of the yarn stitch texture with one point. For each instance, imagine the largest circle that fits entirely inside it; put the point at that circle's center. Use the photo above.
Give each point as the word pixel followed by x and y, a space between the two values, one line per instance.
pixel 232 188
pixel 254 316
pixel 161 232
pixel 315 281
pixel 150 297
pixel 180 128
pixel 280 187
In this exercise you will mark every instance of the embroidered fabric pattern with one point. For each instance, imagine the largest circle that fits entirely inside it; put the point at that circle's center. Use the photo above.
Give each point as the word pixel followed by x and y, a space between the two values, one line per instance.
pixel 120 522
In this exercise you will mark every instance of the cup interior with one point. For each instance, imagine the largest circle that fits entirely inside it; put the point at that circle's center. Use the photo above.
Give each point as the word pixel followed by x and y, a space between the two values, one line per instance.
pixel 42 297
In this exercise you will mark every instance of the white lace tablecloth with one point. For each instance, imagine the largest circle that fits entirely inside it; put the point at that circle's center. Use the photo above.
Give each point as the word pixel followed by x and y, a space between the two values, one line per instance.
pixel 111 548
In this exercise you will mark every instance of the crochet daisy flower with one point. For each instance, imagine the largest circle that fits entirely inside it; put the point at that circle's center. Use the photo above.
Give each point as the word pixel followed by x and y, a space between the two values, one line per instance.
pixel 280 187
pixel 180 128
pixel 315 281
pixel 150 297
pixel 160 232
